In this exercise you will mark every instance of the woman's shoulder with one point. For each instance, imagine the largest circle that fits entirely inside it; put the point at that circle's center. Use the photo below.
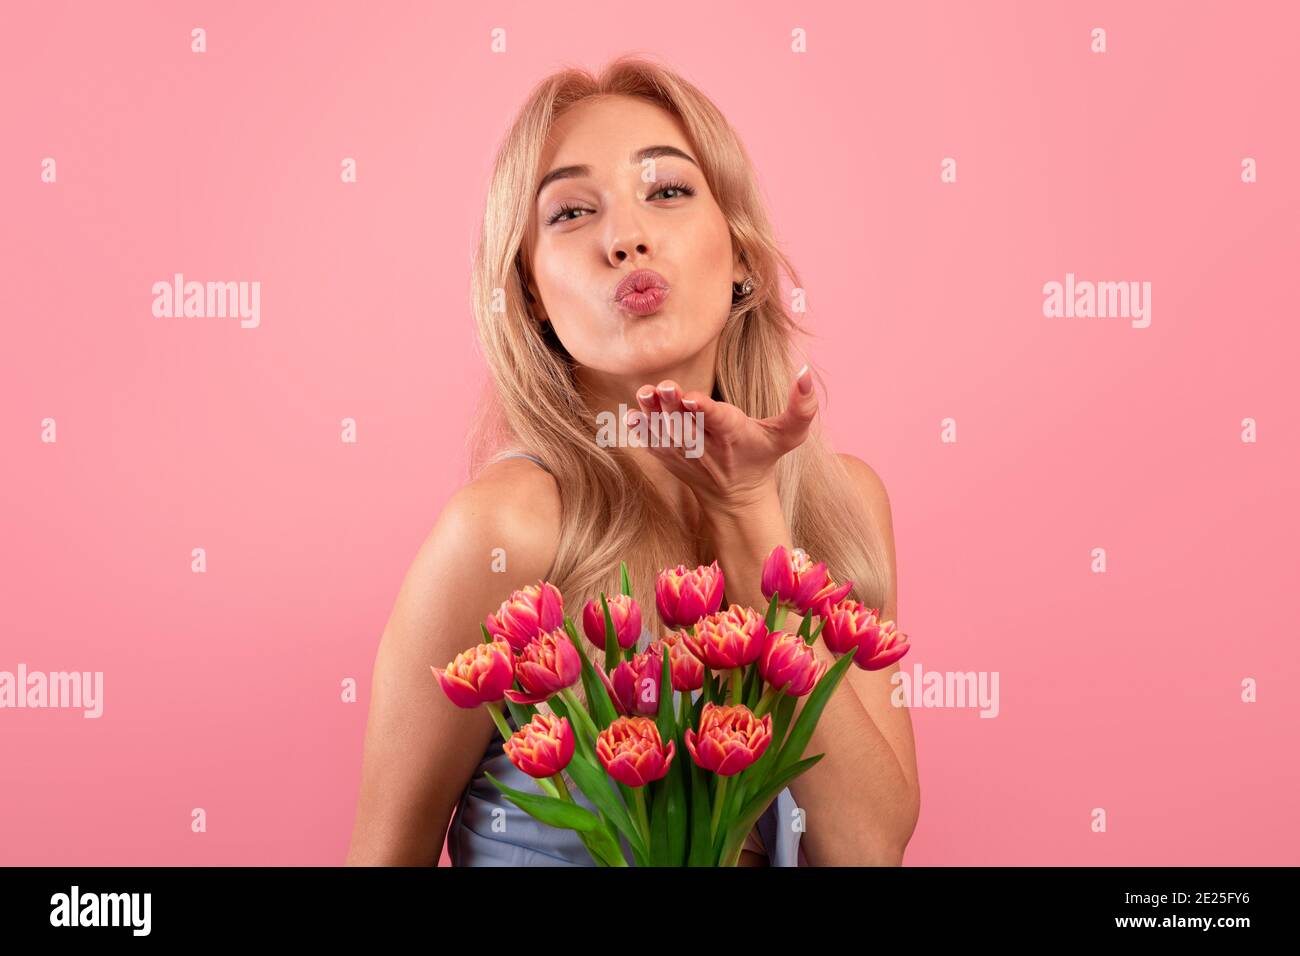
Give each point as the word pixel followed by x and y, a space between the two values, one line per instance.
pixel 512 505
pixel 497 531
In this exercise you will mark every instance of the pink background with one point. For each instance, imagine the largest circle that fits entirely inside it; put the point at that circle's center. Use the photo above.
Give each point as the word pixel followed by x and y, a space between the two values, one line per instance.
pixel 222 690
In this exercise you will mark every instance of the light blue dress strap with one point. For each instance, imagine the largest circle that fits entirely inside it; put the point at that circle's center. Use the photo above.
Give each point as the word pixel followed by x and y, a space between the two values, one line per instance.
pixel 524 454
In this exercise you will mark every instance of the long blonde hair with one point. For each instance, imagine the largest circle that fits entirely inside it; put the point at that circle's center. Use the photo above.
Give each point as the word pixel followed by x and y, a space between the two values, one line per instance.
pixel 610 510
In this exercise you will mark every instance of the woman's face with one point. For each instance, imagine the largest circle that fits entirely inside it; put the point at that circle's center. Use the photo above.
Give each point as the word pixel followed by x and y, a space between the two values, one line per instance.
pixel 592 228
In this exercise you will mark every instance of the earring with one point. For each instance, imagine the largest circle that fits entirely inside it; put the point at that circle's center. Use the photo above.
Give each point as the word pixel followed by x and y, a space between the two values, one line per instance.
pixel 741 290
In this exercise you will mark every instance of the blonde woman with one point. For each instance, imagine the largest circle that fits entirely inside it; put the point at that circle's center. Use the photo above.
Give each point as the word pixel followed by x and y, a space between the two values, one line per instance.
pixel 626 263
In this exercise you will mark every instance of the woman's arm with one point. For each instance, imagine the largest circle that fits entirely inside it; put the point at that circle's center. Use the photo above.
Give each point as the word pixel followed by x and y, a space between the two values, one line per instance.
pixel 420 749
pixel 861 799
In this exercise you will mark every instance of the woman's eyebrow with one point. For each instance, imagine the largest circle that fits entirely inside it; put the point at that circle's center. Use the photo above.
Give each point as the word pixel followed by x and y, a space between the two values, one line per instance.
pixel 639 156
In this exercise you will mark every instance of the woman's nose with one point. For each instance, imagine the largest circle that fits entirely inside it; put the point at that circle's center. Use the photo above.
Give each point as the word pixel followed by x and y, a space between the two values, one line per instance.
pixel 628 234
pixel 621 250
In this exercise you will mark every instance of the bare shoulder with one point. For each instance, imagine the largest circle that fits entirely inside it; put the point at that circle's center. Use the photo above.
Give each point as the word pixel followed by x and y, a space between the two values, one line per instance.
pixel 871 486
pixel 513 505
pixel 875 500
pixel 497 532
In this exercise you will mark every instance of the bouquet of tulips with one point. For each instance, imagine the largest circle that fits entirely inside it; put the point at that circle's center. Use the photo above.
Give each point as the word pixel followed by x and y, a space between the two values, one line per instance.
pixel 619 748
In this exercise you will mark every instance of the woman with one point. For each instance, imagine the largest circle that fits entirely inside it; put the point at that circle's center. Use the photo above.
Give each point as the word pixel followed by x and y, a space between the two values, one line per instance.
pixel 605 188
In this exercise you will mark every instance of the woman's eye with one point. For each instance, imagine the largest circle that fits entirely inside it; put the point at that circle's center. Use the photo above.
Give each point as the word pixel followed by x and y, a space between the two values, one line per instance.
pixel 562 214
pixel 564 210
pixel 682 188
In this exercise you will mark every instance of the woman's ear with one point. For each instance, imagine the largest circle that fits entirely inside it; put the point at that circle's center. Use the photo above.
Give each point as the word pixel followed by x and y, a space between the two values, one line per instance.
pixel 739 268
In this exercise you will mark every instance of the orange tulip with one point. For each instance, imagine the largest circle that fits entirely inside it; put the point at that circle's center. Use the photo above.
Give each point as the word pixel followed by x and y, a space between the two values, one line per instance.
pixel 730 638
pixel 730 738
pixel 547 665
pixel 479 675
pixel 542 747
pixel 687 669
pixel 537 607
pixel 632 752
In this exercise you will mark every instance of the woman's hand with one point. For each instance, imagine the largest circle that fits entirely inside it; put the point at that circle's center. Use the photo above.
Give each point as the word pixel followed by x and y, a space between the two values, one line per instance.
pixel 736 469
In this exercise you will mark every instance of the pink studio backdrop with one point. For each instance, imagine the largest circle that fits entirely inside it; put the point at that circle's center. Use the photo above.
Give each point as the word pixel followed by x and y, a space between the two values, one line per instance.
pixel 1119 690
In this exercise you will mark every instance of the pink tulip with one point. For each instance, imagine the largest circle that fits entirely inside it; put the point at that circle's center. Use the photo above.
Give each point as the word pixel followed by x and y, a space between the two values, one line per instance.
pixel 787 657
pixel 632 752
pixel 797 582
pixel 536 607
pixel 626 614
pixel 479 675
pixel 730 738
pixel 548 664
pixel 683 597
pixel 687 669
pixel 881 644
pixel 846 622
pixel 542 747
pixel 627 684
pixel 830 593
pixel 730 638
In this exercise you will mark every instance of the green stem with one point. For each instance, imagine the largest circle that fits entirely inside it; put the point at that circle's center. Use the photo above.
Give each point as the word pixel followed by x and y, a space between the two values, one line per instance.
pixel 643 818
pixel 767 700
pixel 500 720
pixel 576 709
pixel 719 799
pixel 561 787
pixel 737 681
pixel 782 610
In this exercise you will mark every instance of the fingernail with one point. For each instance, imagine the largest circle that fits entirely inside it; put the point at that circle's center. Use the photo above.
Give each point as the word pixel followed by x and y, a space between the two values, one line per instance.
pixel 645 396
pixel 805 380
pixel 690 403
pixel 666 392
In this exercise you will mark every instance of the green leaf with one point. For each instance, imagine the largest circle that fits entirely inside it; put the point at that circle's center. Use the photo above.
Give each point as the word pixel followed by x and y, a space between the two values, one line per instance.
pixel 755 806
pixel 603 845
pixel 793 748
pixel 624 579
pixel 613 652
pixel 561 709
pixel 756 773
pixel 657 804
pixel 701 847
pixel 521 713
pixel 595 786
pixel 666 720
pixel 487 637
pixel 550 810
pixel 668 821
pixel 752 688
pixel 770 618
pixel 598 702
pixel 730 804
